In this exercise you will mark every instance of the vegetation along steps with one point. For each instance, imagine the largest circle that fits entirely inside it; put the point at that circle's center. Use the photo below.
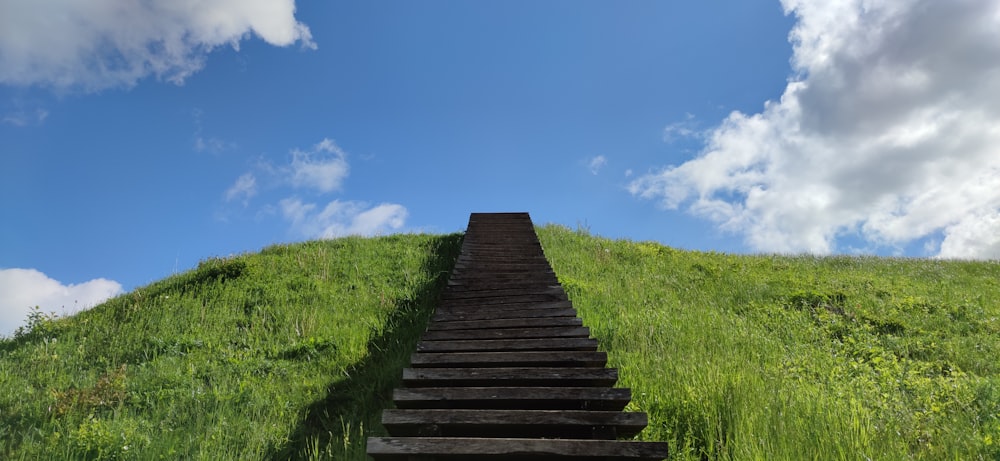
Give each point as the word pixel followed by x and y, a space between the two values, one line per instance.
pixel 506 369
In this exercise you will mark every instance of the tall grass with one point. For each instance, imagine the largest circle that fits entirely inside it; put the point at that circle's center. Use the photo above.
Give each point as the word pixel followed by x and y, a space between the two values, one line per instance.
pixel 285 354
pixel 794 357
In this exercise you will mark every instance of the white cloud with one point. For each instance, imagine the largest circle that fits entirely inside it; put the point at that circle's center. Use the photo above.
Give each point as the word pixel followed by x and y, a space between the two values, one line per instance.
pixel 98 44
pixel 889 129
pixel 323 168
pixel 687 128
pixel 244 188
pixel 211 144
pixel 204 143
pixel 23 289
pixel 25 118
pixel 340 218
pixel 595 164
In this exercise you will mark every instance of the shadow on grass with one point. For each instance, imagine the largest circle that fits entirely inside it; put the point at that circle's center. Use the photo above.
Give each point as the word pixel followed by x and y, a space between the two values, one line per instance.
pixel 338 426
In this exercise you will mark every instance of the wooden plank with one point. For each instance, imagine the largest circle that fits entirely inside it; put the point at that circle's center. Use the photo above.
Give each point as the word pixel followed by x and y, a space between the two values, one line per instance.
pixel 500 287
pixel 473 315
pixel 510 376
pixel 509 359
pixel 511 423
pixel 506 357
pixel 548 344
pixel 531 299
pixel 519 449
pixel 505 323
pixel 538 398
pixel 555 291
pixel 507 333
pixel 476 307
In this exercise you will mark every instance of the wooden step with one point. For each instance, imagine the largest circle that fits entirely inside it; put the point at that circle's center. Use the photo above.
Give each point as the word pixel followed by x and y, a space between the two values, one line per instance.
pixel 507 333
pixel 508 359
pixel 484 285
pixel 461 307
pixel 534 298
pixel 523 322
pixel 512 423
pixel 494 345
pixel 556 292
pixel 510 376
pixel 485 314
pixel 506 370
pixel 514 449
pixel 524 398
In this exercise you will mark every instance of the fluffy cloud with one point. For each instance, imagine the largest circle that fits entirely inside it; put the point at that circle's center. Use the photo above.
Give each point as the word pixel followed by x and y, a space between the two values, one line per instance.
pixel 341 218
pixel 23 289
pixel 888 130
pixel 105 43
pixel 322 168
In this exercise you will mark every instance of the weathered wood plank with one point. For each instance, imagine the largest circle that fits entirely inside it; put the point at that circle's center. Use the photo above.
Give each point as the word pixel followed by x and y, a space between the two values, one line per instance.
pixel 507 333
pixel 465 315
pixel 532 284
pixel 503 299
pixel 506 357
pixel 510 376
pixel 505 323
pixel 519 449
pixel 538 398
pixel 547 344
pixel 509 359
pixel 511 423
pixel 476 307
pixel 555 291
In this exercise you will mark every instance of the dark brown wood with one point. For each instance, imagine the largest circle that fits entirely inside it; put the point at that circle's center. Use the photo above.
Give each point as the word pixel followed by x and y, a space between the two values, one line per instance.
pixel 494 291
pixel 507 333
pixel 461 307
pixel 509 359
pixel 510 376
pixel 512 423
pixel 486 314
pixel 532 298
pixel 519 449
pixel 524 398
pixel 547 344
pixel 506 370
pixel 506 323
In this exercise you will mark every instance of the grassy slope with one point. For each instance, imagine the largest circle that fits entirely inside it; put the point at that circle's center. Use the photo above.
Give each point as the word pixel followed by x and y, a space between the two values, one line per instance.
pixel 289 353
pixel 771 357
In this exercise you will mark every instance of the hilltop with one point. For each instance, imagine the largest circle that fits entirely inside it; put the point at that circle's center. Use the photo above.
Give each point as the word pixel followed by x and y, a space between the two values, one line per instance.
pixel 290 353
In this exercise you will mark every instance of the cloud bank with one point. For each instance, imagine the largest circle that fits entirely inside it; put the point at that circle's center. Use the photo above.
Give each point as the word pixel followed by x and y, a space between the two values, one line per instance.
pixel 889 130
pixel 99 44
pixel 23 289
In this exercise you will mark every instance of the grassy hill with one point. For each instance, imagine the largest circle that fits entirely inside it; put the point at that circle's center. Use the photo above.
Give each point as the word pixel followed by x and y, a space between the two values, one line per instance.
pixel 290 353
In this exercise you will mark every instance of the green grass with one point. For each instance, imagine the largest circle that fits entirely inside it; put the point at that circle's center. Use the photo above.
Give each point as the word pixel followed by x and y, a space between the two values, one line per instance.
pixel 286 354
pixel 291 353
pixel 780 357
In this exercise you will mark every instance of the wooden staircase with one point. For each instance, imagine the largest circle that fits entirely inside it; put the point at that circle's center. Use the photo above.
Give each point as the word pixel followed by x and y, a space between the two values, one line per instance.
pixel 506 369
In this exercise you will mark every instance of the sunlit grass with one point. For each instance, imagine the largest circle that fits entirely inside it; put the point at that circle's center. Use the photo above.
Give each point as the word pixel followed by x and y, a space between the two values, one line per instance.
pixel 289 353
pixel 778 357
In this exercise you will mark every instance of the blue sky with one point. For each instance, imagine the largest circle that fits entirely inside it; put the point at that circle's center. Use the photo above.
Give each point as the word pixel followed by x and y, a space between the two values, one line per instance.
pixel 137 140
